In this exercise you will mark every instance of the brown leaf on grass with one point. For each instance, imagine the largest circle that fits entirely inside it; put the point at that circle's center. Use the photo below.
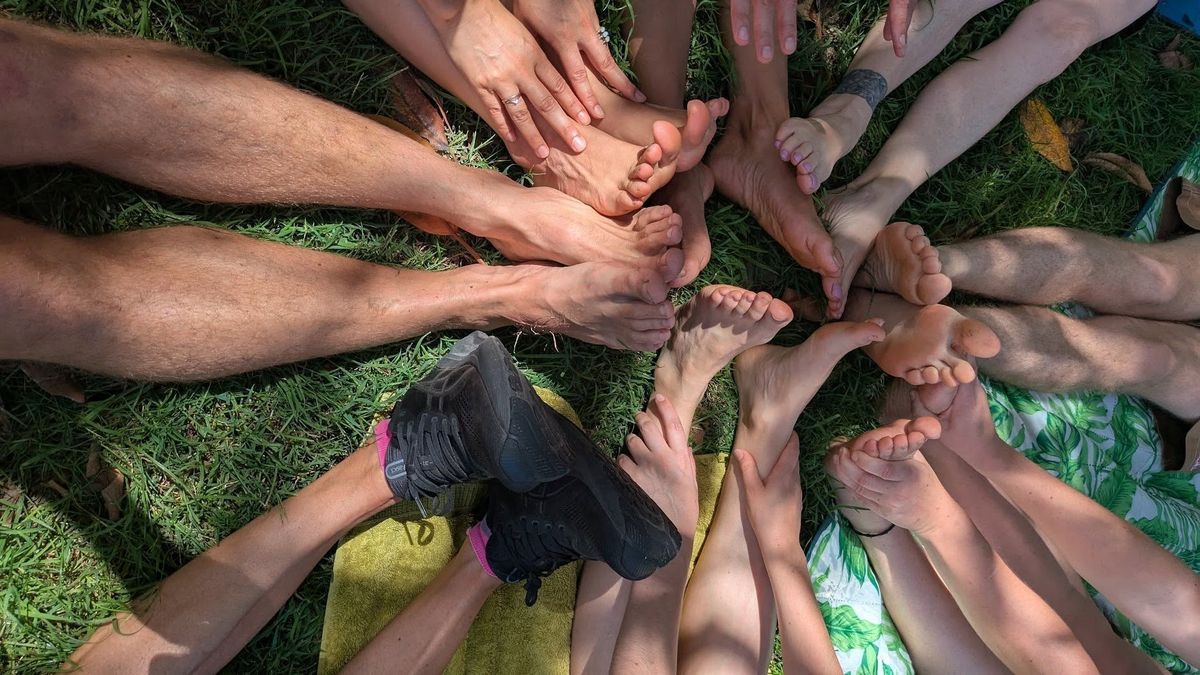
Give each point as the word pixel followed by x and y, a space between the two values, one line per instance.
pixel 54 380
pixel 1171 57
pixel 11 495
pixel 1127 169
pixel 109 482
pixel 1044 135
pixel 810 10
pixel 419 107
pixel 1074 130
pixel 1188 204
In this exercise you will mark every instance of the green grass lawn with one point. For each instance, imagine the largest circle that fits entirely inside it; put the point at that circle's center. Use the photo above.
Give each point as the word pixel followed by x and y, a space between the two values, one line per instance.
pixel 201 460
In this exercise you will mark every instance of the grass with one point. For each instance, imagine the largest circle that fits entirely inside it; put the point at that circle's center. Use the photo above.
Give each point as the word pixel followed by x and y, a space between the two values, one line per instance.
pixel 203 459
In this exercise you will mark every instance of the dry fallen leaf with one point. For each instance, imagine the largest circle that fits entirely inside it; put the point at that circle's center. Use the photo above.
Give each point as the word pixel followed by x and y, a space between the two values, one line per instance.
pixel 419 107
pixel 1043 133
pixel 54 380
pixel 1172 58
pixel 109 482
pixel 1188 204
pixel 11 495
pixel 1127 169
pixel 1074 130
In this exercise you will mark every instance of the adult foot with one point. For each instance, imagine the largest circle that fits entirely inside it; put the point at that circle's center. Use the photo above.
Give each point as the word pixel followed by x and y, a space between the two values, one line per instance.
pixel 747 169
pixel 898 439
pixel 612 176
pixel 815 143
pixel 856 214
pixel 778 382
pixel 661 463
pixel 685 195
pixel 619 305
pixel 853 509
pixel 719 323
pixel 932 344
pixel 903 261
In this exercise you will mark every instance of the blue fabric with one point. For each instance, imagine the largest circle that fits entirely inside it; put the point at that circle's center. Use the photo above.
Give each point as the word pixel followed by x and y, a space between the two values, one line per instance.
pixel 1182 13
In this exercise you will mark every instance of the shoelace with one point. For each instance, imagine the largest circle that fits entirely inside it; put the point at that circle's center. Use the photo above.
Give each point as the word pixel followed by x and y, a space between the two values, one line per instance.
pixel 548 548
pixel 434 453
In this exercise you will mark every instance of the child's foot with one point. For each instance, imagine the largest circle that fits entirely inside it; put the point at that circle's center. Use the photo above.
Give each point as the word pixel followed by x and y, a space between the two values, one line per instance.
pixel 932 344
pixel 903 261
pixel 685 195
pixel 898 439
pixel 719 323
pixel 815 143
pixel 661 463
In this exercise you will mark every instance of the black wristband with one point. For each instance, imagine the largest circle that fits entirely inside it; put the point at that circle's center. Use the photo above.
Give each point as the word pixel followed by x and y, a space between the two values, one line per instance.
pixel 868 536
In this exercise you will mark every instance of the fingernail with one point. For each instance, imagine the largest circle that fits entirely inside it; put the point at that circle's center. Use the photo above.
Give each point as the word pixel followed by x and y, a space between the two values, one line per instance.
pixel 808 166
pixel 578 143
pixel 583 117
pixel 597 110
pixel 659 398
pixel 765 53
pixel 743 35
pixel 543 151
pixel 789 45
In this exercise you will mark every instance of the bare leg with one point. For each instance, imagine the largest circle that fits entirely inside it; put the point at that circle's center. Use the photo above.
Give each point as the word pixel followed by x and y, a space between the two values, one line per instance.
pixel 962 104
pixel 187 303
pixel 611 175
pixel 203 615
pixel 814 144
pixel 1046 351
pixel 747 168
pixel 1050 265
pixel 719 323
pixel 426 634
pixel 729 610
pixel 130 108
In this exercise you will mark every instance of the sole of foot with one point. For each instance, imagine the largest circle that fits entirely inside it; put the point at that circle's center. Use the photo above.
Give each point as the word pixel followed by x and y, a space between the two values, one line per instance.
pixel 747 170
pixel 686 195
pixel 903 261
pixel 615 304
pixel 860 517
pixel 612 176
pixel 932 345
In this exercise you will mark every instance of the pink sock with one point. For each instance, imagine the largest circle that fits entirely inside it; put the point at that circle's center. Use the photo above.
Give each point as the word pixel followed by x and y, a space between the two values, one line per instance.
pixel 381 442
pixel 478 535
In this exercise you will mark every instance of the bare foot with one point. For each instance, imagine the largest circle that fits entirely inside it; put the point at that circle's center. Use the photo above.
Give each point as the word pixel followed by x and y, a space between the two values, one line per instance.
pixel 855 215
pixel 815 143
pixel 932 344
pixel 685 195
pixel 661 463
pixel 619 305
pixel 903 261
pixel 612 176
pixel 747 170
pixel 898 439
pixel 778 382
pixel 719 323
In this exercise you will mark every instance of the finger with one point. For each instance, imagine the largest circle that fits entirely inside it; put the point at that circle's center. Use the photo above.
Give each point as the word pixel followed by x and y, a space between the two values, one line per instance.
pixel 651 432
pixel 786 467
pixel 550 96
pixel 577 74
pixel 672 426
pixel 606 67
pixel 868 487
pixel 785 23
pixel 764 31
pixel 886 471
pixel 739 14
pixel 637 447
pixel 499 116
pixel 898 20
pixel 749 470
pixel 627 464
pixel 518 113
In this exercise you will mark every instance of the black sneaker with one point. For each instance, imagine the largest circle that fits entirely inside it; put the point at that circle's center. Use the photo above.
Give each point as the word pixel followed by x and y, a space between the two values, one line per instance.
pixel 537 532
pixel 474 417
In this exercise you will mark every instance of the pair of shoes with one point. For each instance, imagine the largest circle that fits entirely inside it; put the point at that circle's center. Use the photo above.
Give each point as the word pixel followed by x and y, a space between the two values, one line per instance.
pixel 556 497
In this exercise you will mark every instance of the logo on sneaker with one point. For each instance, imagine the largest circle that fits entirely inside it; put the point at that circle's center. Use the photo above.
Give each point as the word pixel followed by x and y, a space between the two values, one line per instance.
pixel 395 470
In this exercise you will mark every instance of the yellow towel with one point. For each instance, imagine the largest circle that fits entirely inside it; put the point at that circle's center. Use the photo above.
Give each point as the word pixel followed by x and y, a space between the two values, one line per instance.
pixel 385 563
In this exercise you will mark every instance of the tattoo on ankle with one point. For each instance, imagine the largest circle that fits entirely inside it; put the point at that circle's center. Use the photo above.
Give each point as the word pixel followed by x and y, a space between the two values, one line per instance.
pixel 868 84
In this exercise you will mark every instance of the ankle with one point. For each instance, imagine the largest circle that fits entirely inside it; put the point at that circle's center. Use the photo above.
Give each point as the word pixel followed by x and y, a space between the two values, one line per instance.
pixel 755 116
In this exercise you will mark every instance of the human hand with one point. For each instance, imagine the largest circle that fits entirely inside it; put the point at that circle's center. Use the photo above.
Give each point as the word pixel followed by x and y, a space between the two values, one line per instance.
pixel 662 464
pixel 775 503
pixel 895 26
pixel 904 492
pixel 511 73
pixel 967 426
pixel 772 20
pixel 572 31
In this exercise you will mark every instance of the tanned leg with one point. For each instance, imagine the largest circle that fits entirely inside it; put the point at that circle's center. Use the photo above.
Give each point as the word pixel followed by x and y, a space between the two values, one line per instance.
pixel 188 303
pixel 962 104
pixel 185 123
pixel 202 616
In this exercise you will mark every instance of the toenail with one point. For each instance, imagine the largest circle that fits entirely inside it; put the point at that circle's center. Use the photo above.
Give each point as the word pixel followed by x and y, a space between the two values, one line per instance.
pixel 808 166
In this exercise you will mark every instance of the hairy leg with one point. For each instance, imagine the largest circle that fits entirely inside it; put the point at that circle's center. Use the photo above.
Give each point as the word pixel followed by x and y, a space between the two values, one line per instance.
pixel 1050 265
pixel 189 303
pixel 202 615
pixel 962 104
pixel 1046 351
pixel 729 609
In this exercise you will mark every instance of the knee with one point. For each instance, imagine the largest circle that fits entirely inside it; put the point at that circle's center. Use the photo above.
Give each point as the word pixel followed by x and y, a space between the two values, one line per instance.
pixel 1061 31
pixel 1157 286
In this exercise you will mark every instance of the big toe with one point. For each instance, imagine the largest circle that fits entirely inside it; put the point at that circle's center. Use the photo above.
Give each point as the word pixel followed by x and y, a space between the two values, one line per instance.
pixel 932 288
pixel 840 338
pixel 973 338
pixel 925 425
pixel 667 137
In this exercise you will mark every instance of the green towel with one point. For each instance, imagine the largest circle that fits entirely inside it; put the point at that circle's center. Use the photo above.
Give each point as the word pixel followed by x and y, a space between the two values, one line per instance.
pixel 385 563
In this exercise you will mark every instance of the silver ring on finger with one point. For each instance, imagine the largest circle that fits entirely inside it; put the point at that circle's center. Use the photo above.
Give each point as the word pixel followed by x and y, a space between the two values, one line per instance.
pixel 513 100
pixel 604 36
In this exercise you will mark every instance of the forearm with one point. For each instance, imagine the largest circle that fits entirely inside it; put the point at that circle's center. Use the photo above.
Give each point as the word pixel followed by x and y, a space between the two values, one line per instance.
pixel 807 647
pixel 649 637
pixel 1014 622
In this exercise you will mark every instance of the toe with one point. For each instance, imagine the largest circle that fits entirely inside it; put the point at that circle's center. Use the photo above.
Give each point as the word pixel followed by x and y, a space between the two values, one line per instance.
pixel 930 375
pixel 975 339
pixel 914 377
pixel 927 426
pixel 779 310
pixel 963 372
pixel 745 302
pixel 913 231
pixel 933 288
pixel 696 130
pixel 730 302
pixel 667 138
pixel 760 304
pixel 946 376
